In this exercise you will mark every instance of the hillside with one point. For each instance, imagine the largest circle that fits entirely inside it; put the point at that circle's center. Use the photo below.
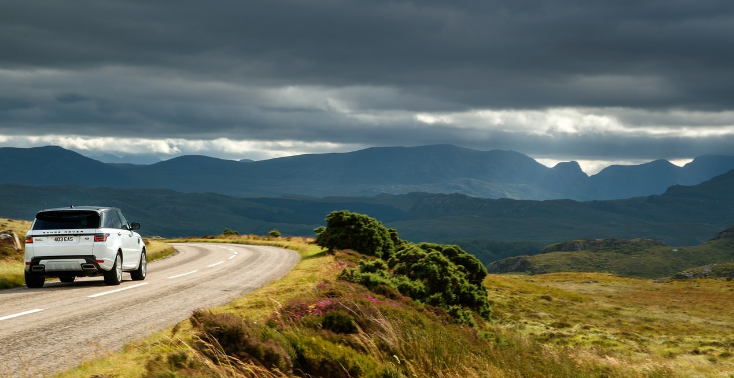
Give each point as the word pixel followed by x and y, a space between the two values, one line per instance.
pixel 683 216
pixel 368 172
pixel 555 325
pixel 637 258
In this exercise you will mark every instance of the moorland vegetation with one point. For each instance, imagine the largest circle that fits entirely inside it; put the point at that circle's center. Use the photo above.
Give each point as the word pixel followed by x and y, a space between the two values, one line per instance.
pixel 318 321
pixel 643 258
pixel 327 319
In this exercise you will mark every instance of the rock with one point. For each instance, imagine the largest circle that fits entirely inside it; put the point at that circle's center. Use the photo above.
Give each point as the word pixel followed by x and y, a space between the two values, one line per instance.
pixel 728 233
pixel 702 272
pixel 584 244
pixel 510 264
pixel 8 238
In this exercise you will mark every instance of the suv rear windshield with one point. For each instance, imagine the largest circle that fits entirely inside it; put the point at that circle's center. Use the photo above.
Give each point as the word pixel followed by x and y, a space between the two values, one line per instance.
pixel 66 220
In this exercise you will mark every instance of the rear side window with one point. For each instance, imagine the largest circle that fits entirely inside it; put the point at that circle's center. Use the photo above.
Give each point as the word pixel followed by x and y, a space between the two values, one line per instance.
pixel 111 220
pixel 123 220
pixel 66 220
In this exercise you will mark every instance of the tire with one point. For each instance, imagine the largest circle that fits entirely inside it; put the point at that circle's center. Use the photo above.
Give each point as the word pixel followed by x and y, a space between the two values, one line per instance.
pixel 67 279
pixel 139 274
pixel 114 276
pixel 34 280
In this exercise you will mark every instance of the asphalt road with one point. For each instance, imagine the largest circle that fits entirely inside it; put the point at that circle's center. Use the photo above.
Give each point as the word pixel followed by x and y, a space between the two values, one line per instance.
pixel 54 328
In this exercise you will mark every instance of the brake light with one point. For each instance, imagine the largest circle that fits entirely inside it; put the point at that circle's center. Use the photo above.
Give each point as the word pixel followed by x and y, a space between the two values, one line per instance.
pixel 29 239
pixel 101 237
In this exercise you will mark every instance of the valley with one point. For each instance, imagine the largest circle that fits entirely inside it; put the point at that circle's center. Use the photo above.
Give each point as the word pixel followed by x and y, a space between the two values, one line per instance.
pixel 636 287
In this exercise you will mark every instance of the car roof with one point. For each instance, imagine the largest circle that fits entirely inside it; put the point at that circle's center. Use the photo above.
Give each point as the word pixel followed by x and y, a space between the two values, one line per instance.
pixel 98 209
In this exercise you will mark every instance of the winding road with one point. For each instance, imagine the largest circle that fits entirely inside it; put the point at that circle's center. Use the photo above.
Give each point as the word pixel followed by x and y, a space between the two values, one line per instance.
pixel 48 330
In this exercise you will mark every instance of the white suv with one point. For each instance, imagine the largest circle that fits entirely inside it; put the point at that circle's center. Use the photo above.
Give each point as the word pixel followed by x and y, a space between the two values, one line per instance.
pixel 83 241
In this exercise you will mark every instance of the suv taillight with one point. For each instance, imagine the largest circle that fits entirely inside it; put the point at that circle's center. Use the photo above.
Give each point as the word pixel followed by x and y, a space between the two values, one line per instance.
pixel 29 239
pixel 101 237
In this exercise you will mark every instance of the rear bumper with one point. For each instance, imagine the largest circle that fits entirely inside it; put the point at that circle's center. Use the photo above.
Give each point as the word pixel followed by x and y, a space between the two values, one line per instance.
pixel 57 266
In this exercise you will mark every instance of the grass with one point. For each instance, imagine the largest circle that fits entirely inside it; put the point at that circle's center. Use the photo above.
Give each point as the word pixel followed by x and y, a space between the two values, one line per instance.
pixel 11 261
pixel 553 325
pixel 682 325
pixel 156 249
pixel 652 261
pixel 132 360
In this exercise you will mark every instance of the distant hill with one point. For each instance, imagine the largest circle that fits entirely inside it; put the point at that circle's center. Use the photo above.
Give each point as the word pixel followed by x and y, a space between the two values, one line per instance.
pixel 373 171
pixel 639 258
pixel 683 216
pixel 141 159
pixel 618 181
pixel 57 166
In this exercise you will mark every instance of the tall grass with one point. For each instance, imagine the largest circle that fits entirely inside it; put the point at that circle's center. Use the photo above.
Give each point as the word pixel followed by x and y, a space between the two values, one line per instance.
pixel 11 274
pixel 543 326
pixel 11 261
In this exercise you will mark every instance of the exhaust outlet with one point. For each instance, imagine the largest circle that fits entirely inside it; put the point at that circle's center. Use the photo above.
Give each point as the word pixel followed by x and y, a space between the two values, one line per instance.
pixel 38 268
pixel 88 267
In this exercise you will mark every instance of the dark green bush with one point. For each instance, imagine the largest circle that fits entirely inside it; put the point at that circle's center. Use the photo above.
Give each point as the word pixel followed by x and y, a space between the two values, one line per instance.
pixel 228 232
pixel 347 230
pixel 274 233
pixel 462 315
pixel 339 322
pixel 374 266
pixel 442 276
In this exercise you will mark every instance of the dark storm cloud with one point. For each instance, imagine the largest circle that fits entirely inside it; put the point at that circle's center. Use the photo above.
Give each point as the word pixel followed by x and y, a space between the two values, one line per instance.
pixel 466 53
pixel 194 69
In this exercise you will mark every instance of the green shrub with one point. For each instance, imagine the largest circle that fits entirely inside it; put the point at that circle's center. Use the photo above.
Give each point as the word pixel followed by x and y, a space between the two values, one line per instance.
pixel 374 266
pixel 274 233
pixel 442 276
pixel 448 276
pixel 339 322
pixel 462 315
pixel 228 232
pixel 347 230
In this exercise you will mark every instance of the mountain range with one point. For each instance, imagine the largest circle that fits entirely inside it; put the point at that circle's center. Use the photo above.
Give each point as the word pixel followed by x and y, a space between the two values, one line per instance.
pixel 368 172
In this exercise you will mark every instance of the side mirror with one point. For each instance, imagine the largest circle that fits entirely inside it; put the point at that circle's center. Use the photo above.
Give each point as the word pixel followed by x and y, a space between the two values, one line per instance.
pixel 134 226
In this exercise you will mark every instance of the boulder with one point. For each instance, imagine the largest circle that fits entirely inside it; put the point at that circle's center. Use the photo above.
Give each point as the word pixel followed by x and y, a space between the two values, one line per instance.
pixel 8 238
pixel 510 264
pixel 610 243
pixel 728 233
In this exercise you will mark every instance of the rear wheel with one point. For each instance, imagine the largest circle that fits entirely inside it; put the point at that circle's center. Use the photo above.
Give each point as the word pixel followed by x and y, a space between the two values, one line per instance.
pixel 114 276
pixel 139 274
pixel 34 280
pixel 67 279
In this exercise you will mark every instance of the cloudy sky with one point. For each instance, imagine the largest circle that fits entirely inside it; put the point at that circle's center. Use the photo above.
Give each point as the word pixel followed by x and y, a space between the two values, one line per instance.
pixel 599 82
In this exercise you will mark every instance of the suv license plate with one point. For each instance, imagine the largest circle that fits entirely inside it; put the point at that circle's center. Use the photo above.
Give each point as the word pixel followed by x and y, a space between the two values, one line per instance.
pixel 64 239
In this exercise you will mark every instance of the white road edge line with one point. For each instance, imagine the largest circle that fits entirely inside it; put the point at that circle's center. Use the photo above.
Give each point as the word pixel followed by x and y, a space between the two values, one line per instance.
pixel 115 291
pixel 215 264
pixel 231 257
pixel 183 274
pixel 20 314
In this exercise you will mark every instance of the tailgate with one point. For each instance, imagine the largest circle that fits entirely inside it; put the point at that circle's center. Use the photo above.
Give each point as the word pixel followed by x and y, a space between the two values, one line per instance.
pixel 62 244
